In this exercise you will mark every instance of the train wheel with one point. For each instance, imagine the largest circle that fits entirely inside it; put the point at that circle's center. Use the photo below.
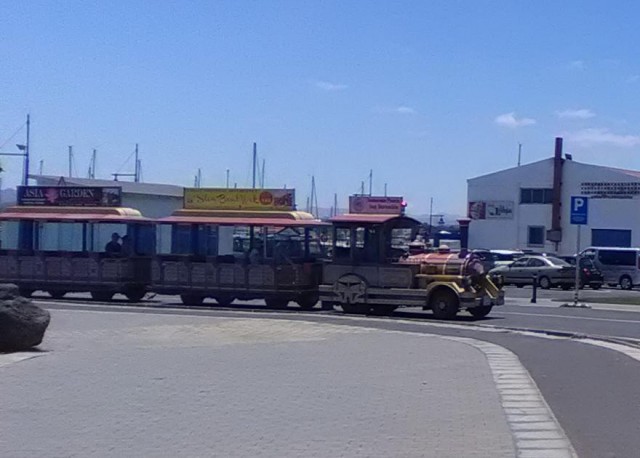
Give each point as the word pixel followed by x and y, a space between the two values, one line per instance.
pixel 276 302
pixel 25 292
pixel 444 304
pixel 103 296
pixel 480 312
pixel 57 294
pixel 192 299
pixel 357 309
pixel 326 305
pixel 135 295
pixel 383 310
pixel 307 302
pixel 224 301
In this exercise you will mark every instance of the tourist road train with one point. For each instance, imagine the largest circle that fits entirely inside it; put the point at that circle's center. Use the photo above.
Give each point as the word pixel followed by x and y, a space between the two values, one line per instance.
pixel 235 244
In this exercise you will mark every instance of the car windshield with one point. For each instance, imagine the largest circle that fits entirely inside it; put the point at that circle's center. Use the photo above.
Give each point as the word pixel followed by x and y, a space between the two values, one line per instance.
pixel 557 261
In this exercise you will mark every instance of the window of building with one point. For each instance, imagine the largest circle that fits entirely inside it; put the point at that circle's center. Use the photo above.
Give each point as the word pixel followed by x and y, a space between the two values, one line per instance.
pixel 611 237
pixel 536 196
pixel 535 236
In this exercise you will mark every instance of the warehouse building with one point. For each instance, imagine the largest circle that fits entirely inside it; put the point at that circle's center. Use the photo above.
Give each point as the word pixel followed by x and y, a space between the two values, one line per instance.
pixel 528 207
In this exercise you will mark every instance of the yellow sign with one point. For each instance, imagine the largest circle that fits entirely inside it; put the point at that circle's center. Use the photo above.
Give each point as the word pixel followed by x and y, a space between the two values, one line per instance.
pixel 239 199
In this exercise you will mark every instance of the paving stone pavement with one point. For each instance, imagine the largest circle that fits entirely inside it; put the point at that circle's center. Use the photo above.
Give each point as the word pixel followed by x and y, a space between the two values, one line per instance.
pixel 118 384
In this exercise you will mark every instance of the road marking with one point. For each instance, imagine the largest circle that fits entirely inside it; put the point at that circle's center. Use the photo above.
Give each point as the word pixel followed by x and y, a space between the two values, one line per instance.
pixel 572 317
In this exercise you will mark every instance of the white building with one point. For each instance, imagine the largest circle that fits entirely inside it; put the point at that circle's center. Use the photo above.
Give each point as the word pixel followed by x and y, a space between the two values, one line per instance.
pixel 521 208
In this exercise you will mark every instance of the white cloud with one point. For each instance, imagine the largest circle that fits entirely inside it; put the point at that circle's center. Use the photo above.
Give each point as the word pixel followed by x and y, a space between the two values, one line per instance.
pixel 576 64
pixel 582 113
pixel 602 136
pixel 510 120
pixel 404 110
pixel 329 87
pixel 401 110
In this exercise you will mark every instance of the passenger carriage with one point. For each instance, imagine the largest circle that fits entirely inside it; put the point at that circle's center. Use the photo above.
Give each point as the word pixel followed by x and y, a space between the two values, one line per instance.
pixel 239 244
pixel 54 241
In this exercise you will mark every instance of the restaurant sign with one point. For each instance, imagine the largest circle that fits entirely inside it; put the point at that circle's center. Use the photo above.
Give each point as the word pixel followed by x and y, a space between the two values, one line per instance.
pixel 497 209
pixel 69 196
pixel 239 199
pixel 376 205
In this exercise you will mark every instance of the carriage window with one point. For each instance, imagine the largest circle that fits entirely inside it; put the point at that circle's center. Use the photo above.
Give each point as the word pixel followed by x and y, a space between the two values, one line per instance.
pixel 342 243
pixel 60 236
pixel 10 231
pixel 163 239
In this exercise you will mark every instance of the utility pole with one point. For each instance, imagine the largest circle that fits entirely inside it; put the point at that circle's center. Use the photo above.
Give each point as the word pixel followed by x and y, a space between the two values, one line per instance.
pixel 335 204
pixel 227 178
pixel 70 161
pixel 362 188
pixel 385 189
pixel 430 215
pixel 41 166
pixel 255 158
pixel 371 182
pixel 137 167
pixel 519 153
pixel 25 180
pixel 92 167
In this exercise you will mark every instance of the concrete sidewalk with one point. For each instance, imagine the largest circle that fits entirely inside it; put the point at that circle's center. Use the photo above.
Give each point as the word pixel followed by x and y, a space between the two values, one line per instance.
pixel 120 384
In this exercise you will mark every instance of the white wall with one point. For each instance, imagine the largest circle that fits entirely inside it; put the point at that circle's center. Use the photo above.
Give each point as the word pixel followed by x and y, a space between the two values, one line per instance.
pixel 603 213
pixel 505 186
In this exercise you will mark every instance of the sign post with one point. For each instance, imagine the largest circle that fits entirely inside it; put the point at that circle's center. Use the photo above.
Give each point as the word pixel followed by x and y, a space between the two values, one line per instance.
pixel 579 217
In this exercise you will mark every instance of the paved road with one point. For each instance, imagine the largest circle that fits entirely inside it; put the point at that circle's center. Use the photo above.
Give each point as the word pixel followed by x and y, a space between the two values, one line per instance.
pixel 153 385
pixel 593 391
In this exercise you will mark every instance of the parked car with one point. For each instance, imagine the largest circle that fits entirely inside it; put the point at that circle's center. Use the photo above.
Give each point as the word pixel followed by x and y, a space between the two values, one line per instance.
pixel 590 275
pixel 505 257
pixel 619 266
pixel 549 270
pixel 486 257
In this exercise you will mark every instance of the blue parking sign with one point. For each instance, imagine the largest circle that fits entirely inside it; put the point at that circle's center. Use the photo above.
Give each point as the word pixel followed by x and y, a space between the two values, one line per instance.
pixel 579 209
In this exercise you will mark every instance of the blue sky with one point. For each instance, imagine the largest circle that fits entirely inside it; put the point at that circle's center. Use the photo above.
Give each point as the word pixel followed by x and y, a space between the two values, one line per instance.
pixel 427 94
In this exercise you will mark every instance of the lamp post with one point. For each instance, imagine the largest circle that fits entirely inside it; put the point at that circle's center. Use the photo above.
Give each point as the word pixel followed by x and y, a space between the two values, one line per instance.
pixel 25 154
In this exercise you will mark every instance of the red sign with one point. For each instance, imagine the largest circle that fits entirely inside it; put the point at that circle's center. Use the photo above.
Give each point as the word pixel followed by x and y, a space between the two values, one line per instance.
pixel 376 205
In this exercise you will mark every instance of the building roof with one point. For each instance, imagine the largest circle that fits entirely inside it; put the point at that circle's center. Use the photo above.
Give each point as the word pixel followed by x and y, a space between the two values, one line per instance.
pixel 128 187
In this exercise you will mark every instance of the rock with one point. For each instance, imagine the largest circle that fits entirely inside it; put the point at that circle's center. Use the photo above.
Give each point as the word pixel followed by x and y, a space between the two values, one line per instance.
pixel 22 324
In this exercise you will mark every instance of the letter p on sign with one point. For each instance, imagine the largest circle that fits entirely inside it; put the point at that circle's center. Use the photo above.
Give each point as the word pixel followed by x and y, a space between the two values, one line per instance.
pixel 579 209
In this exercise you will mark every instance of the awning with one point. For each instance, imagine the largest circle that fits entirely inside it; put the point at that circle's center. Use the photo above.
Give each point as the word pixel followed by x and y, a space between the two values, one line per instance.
pixel 242 221
pixel 74 214
pixel 355 218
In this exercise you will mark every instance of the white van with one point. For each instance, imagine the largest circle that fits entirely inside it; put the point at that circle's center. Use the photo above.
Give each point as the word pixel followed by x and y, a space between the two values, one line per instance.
pixel 619 266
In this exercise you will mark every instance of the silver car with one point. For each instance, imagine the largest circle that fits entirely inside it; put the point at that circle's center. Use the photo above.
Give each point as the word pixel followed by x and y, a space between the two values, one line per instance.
pixel 548 270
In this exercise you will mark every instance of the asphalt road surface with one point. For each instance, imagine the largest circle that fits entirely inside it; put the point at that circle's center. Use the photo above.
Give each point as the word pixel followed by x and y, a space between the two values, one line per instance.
pixel 593 391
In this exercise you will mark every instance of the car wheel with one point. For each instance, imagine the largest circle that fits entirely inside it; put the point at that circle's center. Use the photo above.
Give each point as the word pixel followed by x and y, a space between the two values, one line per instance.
pixel 544 282
pixel 625 282
pixel 595 285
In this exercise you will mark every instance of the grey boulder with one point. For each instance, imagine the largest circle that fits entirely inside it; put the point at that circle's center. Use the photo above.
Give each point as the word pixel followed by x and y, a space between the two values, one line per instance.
pixel 22 324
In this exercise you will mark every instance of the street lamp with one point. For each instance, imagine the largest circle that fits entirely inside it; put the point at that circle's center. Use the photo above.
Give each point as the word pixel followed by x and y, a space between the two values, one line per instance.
pixel 24 152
